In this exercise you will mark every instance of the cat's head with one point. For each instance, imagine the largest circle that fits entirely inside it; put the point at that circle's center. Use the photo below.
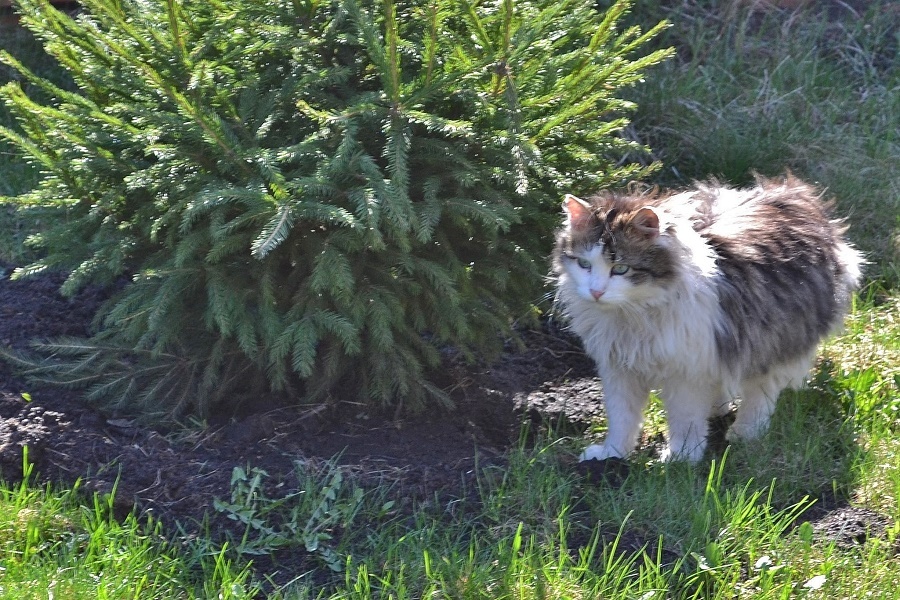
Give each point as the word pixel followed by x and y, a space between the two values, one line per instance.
pixel 613 250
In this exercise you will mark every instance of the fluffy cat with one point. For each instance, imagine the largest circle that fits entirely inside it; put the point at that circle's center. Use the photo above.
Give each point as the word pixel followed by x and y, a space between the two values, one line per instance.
pixel 706 295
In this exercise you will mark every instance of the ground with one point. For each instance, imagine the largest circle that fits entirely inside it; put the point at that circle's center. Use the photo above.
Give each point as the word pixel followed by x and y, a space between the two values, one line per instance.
pixel 175 474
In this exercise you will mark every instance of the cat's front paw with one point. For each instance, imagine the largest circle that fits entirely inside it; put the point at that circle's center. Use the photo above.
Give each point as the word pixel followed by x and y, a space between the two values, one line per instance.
pixel 599 452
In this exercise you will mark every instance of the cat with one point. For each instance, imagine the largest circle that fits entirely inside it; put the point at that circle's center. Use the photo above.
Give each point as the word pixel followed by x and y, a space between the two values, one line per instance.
pixel 706 295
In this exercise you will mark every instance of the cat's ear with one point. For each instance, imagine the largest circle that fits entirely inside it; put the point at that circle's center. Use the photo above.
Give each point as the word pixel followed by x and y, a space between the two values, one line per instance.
pixel 577 210
pixel 646 223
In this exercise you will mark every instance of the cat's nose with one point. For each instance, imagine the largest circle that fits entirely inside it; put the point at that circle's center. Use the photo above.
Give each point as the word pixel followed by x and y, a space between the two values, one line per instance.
pixel 596 294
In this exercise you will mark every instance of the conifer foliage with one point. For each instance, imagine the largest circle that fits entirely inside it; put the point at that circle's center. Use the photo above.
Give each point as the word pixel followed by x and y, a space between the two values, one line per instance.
pixel 303 194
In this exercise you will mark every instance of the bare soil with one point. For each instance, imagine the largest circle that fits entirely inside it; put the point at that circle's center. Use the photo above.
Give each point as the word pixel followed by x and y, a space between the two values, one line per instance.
pixel 175 474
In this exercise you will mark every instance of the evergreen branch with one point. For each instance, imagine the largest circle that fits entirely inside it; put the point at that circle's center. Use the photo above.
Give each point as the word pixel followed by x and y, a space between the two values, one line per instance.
pixel 477 26
pixel 175 28
pixel 398 142
pixel 392 58
pixel 226 249
pixel 339 326
pixel 275 233
pixel 377 53
pixel 28 145
pixel 208 121
pixel 435 22
pixel 332 272
pixel 212 199
pixel 438 124
pixel 302 339
pixel 428 212
pixel 75 99
pixel 639 39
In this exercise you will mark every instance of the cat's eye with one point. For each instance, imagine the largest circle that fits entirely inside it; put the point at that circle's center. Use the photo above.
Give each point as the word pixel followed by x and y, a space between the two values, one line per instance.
pixel 584 263
pixel 619 269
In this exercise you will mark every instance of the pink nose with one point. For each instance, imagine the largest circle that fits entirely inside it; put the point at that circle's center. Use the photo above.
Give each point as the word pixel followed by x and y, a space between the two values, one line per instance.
pixel 596 294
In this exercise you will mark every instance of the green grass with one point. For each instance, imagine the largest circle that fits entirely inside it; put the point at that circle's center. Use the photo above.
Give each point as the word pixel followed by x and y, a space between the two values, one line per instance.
pixel 767 92
pixel 749 91
pixel 65 544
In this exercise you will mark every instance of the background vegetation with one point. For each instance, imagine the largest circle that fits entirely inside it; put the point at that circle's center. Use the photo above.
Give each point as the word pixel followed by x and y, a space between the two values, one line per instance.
pixel 814 90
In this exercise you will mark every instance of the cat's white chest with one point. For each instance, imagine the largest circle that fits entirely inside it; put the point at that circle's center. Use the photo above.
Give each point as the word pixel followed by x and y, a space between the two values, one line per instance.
pixel 676 339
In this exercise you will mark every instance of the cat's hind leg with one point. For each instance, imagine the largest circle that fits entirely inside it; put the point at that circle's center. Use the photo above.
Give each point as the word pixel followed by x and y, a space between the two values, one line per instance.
pixel 625 400
pixel 689 405
pixel 758 401
pixel 759 396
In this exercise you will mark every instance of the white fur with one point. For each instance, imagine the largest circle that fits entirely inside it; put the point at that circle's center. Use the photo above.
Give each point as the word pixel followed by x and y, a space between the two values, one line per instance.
pixel 650 337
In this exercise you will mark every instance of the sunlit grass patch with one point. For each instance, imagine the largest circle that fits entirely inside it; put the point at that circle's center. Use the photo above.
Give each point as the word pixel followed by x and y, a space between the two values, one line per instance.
pixel 866 360
pixel 65 544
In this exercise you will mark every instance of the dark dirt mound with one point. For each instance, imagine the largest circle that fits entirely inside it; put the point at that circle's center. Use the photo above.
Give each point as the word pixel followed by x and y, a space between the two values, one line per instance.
pixel 851 526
